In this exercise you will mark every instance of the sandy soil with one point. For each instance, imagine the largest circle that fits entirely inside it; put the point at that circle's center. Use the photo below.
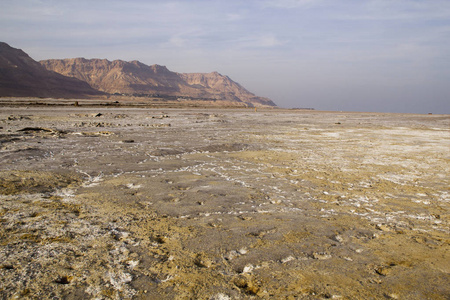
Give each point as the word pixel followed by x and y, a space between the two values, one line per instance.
pixel 121 203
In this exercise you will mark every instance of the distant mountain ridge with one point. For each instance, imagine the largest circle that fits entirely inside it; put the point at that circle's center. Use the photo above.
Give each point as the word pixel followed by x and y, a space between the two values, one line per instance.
pixel 134 77
pixel 21 76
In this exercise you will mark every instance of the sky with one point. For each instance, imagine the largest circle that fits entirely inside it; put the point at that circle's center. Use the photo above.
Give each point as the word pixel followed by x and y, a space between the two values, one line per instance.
pixel 341 55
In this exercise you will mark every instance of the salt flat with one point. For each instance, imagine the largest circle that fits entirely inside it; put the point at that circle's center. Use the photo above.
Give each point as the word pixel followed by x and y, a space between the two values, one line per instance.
pixel 123 202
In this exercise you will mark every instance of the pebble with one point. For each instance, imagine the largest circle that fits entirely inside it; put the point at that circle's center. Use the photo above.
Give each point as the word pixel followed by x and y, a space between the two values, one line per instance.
pixel 247 269
pixel 132 263
pixel 383 227
pixel 203 262
pixel 339 238
pixel 287 259
pixel 220 296
pixel 321 256
pixel 231 255
pixel 242 251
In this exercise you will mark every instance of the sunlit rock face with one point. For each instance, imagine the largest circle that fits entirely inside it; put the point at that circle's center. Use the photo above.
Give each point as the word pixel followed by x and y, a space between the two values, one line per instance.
pixel 136 78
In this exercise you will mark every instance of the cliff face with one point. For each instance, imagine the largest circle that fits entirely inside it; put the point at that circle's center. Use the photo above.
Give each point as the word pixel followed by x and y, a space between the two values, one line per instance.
pixel 137 78
pixel 223 87
pixel 117 76
pixel 21 76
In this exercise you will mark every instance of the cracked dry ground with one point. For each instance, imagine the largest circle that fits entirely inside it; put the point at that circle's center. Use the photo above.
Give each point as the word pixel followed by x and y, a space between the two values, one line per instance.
pixel 110 203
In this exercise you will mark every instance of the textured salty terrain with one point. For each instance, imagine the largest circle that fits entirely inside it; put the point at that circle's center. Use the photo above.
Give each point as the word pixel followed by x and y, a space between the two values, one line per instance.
pixel 112 203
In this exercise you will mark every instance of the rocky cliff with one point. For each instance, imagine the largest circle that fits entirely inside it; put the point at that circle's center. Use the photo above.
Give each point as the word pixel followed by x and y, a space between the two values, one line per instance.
pixel 21 76
pixel 137 78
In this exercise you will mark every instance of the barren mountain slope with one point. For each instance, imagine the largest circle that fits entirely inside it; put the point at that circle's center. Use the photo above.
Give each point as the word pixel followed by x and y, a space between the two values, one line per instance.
pixel 137 78
pixel 21 76
pixel 117 76
pixel 224 87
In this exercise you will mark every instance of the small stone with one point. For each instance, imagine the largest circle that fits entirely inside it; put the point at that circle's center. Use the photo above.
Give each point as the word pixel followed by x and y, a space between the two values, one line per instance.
pixel 321 256
pixel 132 263
pixel 247 269
pixel 231 255
pixel 242 251
pixel 383 227
pixel 339 238
pixel 220 296
pixel 383 271
pixel 287 259
pixel 203 262
pixel 394 296
pixel 348 258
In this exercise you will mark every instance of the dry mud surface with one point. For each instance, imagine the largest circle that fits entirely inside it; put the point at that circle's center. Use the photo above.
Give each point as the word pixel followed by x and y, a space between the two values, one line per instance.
pixel 127 203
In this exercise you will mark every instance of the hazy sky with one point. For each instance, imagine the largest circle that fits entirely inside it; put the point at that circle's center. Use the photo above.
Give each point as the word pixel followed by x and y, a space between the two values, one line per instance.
pixel 375 55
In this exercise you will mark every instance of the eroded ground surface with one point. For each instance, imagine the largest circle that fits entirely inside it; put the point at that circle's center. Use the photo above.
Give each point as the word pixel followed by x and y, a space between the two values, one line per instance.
pixel 120 203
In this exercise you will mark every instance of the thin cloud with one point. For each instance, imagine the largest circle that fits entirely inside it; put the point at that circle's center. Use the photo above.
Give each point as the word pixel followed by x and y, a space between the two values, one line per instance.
pixel 177 41
pixel 401 10
pixel 234 17
pixel 256 41
pixel 289 3
pixel 268 41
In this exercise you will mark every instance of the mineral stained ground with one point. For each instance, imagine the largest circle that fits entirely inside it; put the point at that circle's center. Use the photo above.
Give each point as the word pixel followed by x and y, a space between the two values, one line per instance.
pixel 137 203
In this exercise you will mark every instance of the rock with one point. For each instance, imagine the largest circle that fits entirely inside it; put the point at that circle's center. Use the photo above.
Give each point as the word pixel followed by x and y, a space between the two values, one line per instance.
pixel 245 218
pixel 339 238
pixel 246 283
pixel 202 261
pixel 242 251
pixel 220 296
pixel 247 269
pixel 383 227
pixel 321 255
pixel 132 263
pixel 231 255
pixel 383 270
pixel 287 259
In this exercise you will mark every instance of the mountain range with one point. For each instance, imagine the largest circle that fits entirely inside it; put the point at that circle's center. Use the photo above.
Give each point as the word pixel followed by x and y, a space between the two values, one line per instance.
pixel 20 76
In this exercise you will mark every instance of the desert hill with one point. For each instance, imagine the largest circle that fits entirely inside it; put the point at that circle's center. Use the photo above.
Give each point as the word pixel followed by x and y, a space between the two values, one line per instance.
pixel 136 78
pixel 21 76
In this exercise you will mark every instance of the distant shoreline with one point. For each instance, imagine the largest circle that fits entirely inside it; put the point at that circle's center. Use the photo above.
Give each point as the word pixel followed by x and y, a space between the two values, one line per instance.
pixel 160 103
